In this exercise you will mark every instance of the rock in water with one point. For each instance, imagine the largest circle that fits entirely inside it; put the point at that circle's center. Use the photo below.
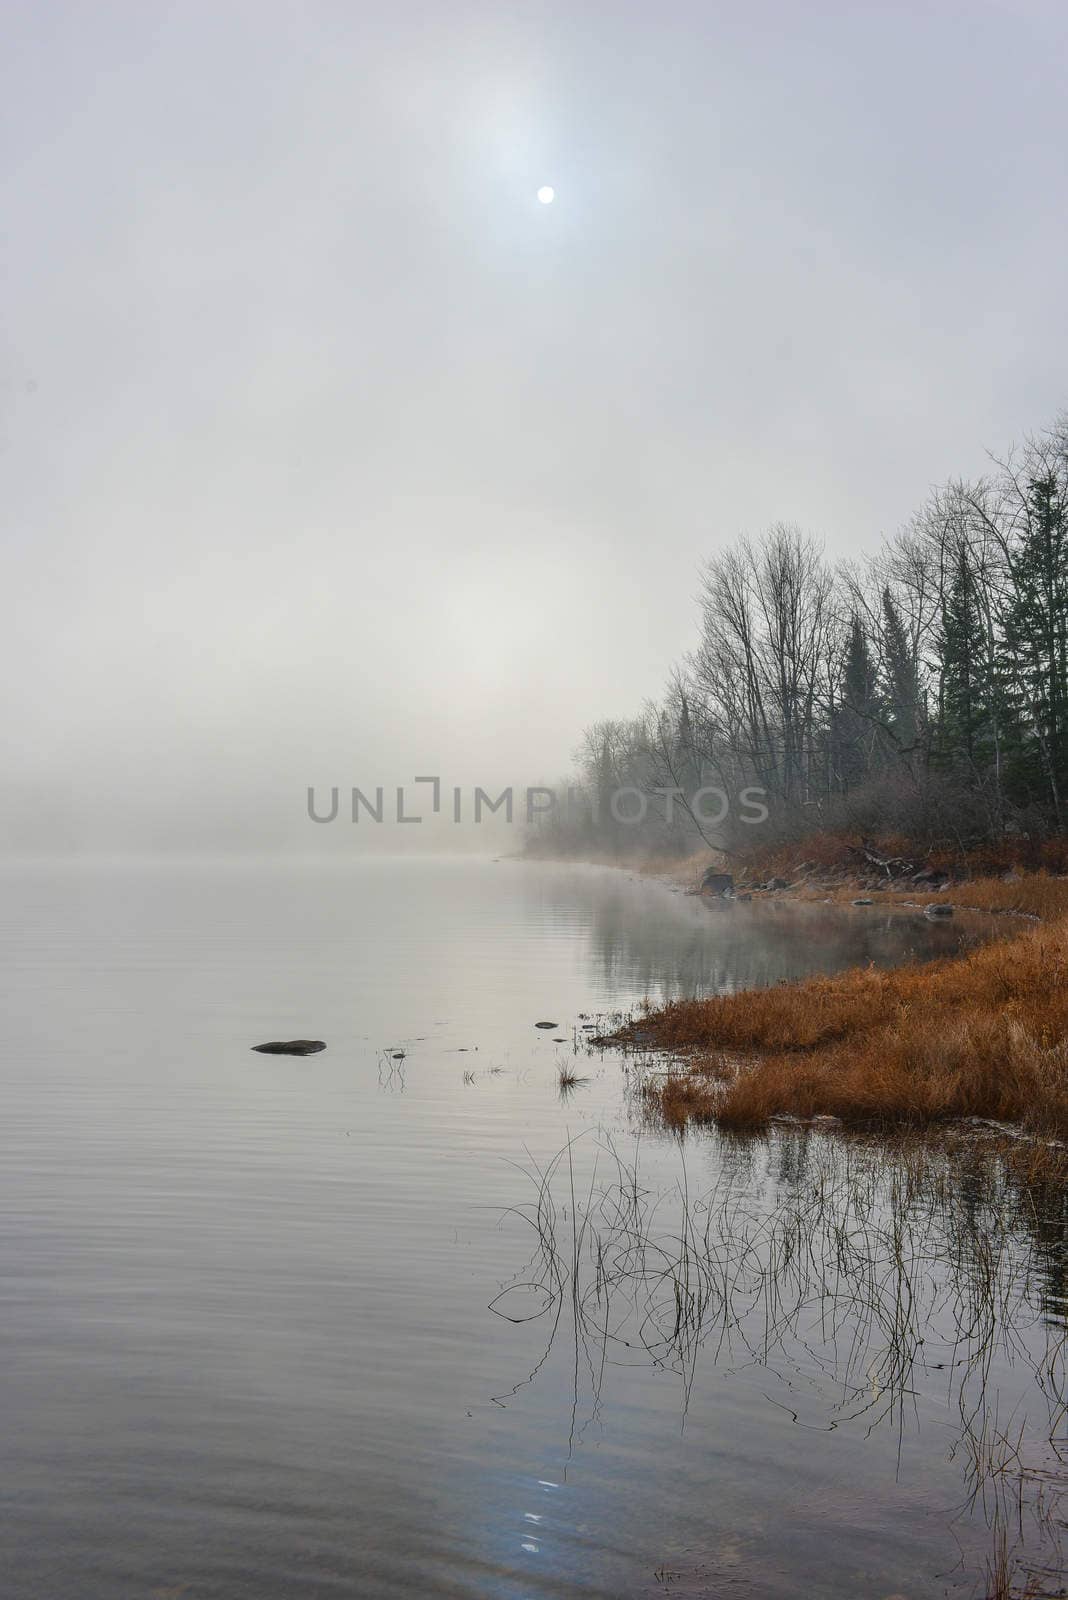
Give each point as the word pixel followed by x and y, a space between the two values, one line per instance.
pixel 290 1047
pixel 938 909
pixel 715 882
pixel 546 1024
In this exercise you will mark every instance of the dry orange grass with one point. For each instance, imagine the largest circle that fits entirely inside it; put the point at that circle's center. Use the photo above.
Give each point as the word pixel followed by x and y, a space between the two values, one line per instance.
pixel 1037 894
pixel 985 1035
pixel 1033 894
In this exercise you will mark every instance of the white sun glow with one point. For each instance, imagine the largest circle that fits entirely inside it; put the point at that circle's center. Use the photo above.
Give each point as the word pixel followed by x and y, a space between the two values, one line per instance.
pixel 546 195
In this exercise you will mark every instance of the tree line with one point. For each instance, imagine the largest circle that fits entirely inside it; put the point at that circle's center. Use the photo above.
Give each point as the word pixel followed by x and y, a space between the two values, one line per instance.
pixel 921 691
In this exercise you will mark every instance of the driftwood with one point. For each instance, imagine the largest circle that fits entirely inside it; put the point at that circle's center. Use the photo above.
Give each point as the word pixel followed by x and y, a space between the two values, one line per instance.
pixel 886 864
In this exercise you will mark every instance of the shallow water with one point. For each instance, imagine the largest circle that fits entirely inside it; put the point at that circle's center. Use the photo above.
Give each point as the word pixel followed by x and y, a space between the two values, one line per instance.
pixel 252 1340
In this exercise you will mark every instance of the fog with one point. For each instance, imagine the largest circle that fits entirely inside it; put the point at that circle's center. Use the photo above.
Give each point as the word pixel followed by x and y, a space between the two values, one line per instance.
pixel 332 457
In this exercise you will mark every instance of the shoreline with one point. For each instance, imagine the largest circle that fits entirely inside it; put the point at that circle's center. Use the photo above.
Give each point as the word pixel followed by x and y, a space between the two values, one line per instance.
pixel 998 896
pixel 978 1038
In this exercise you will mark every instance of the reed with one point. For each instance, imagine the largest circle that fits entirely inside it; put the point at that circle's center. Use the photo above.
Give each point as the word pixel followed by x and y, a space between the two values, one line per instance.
pixel 1035 894
pixel 852 1273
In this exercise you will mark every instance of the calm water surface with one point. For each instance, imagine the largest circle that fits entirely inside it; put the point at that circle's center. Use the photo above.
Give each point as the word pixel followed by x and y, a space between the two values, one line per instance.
pixel 290 1327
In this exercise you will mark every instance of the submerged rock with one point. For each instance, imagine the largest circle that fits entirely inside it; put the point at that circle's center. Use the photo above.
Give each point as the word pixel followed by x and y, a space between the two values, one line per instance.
pixel 938 909
pixel 290 1047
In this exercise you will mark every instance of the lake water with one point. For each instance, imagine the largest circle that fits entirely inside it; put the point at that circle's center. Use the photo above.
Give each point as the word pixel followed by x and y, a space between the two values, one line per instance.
pixel 310 1327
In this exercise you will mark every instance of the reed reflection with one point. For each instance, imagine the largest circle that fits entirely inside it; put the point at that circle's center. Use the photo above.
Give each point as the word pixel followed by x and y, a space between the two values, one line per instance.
pixel 880 1290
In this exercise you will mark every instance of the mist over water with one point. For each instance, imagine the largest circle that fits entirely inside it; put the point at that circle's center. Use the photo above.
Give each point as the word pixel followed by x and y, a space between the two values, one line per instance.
pixel 246 1328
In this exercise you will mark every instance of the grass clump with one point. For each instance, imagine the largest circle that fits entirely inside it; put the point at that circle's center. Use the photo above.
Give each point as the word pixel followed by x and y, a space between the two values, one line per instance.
pixel 980 1035
pixel 1033 894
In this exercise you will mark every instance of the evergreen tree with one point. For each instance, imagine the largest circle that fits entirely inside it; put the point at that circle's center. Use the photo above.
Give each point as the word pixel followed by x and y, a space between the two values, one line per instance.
pixel 858 684
pixel 902 679
pixel 968 710
pixel 1036 643
pixel 853 725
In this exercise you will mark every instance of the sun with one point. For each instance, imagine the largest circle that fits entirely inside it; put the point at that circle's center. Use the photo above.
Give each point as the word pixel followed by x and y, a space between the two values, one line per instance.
pixel 546 195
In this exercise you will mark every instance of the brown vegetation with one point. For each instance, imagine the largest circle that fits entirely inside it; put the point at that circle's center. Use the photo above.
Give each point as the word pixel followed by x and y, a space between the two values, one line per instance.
pixel 1035 894
pixel 981 1035
pixel 837 856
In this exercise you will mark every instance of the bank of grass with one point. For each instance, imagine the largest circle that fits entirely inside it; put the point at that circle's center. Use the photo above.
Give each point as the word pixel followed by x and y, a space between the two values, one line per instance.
pixel 842 855
pixel 1033 894
pixel 980 1035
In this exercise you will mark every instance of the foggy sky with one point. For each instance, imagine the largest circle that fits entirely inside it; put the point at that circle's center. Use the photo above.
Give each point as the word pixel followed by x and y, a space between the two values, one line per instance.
pixel 330 456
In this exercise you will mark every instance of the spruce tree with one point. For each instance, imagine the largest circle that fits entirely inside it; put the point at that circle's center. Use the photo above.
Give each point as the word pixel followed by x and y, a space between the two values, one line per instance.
pixel 1036 644
pixel 902 679
pixel 968 693
pixel 853 724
